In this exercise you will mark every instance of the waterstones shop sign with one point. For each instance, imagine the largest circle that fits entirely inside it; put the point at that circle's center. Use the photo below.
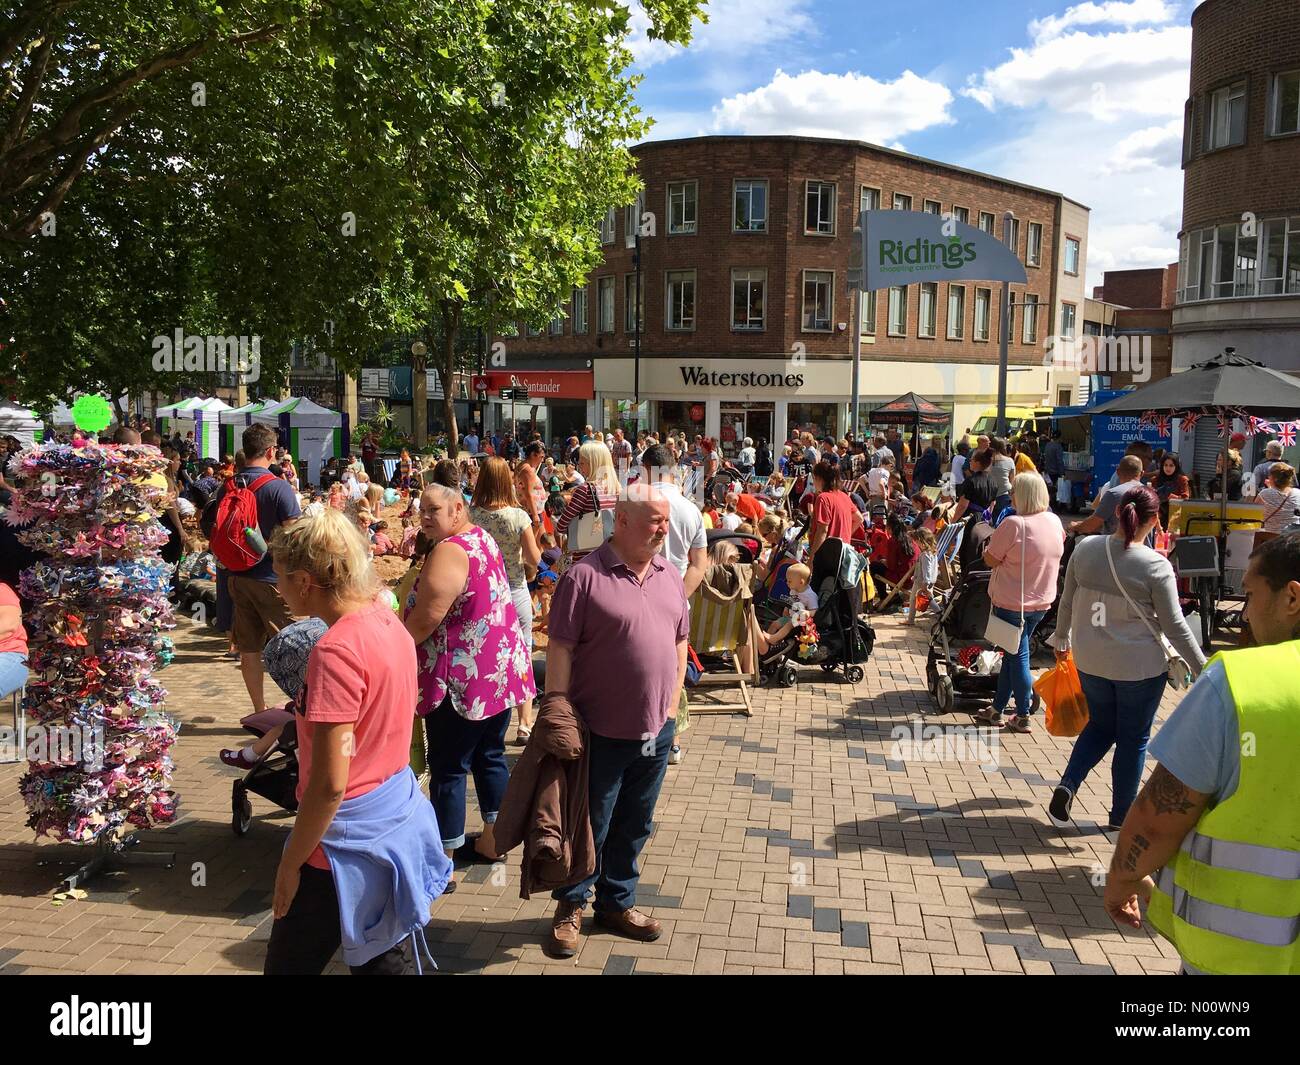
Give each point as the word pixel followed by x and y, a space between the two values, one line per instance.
pixel 699 377
pixel 907 247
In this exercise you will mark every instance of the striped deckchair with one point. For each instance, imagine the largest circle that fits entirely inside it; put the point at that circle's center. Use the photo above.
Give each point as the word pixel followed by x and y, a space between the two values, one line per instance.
pixel 722 621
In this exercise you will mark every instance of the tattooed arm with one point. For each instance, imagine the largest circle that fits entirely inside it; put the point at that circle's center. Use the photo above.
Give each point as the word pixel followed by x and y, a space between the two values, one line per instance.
pixel 1165 811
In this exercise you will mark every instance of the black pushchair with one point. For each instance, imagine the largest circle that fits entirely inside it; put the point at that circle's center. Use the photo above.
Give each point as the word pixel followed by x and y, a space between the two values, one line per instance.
pixel 961 625
pixel 274 776
pixel 844 640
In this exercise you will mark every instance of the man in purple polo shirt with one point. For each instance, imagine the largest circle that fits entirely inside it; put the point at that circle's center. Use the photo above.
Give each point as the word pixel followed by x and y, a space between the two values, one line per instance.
pixel 617 631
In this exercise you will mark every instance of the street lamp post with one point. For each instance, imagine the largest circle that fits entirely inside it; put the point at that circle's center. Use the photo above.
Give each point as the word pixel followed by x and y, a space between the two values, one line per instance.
pixel 1005 338
pixel 636 332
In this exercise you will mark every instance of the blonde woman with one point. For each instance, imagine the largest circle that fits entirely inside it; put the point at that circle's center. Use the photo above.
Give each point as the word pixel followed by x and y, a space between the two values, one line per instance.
pixel 364 842
pixel 598 491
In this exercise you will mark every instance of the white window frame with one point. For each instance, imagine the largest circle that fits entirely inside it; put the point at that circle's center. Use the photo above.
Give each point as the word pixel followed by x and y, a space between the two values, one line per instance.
pixel 825 226
pixel 1275 117
pixel 632 220
pixel 629 303
pixel 1077 244
pixel 1200 262
pixel 579 309
pixel 671 300
pixel 751 184
pixel 1069 311
pixel 904 198
pixel 556 326
pixel 601 288
pixel 1034 248
pixel 929 289
pixel 1014 242
pixel 688 226
pixel 1218 113
pixel 962 214
pixel 863 190
pixel 897 301
pixel 927 204
pixel 829 278
pixel 984 296
pixel 1029 326
pixel 748 276
pixel 607 227
pixel 991 220
pixel 867 314
pixel 959 319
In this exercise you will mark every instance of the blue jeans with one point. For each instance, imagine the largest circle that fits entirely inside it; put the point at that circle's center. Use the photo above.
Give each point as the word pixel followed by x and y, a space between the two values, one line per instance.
pixel 1014 678
pixel 13 672
pixel 1120 713
pixel 457 747
pixel 623 788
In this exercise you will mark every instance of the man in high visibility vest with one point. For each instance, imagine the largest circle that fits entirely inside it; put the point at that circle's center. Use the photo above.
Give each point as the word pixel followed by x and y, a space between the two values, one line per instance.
pixel 1218 823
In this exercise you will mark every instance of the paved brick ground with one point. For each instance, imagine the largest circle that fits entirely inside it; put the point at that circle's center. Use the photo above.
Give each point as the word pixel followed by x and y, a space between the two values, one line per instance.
pixel 794 841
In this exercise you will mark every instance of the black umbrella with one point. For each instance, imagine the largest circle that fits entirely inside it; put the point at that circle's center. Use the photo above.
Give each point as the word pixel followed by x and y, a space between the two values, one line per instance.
pixel 1225 384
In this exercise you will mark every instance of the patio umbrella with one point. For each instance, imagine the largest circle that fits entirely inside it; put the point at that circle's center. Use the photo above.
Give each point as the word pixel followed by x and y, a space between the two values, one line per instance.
pixel 1226 385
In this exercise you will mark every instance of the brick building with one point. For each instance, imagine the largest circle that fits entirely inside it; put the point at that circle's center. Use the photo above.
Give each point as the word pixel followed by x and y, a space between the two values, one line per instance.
pixel 1240 282
pixel 746 313
pixel 1136 305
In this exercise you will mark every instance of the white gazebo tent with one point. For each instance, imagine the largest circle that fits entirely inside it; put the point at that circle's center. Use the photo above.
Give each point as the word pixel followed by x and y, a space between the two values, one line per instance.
pixel 22 424
pixel 197 416
pixel 312 433
pixel 233 422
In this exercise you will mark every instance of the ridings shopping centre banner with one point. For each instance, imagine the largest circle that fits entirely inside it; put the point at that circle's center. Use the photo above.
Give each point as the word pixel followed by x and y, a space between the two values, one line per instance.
pixel 907 247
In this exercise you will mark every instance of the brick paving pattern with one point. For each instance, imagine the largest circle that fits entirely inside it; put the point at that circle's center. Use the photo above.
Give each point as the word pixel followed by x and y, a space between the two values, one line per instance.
pixel 793 841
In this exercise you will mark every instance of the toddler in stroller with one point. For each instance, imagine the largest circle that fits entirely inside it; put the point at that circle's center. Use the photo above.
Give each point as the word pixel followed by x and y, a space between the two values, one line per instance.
pixel 271 760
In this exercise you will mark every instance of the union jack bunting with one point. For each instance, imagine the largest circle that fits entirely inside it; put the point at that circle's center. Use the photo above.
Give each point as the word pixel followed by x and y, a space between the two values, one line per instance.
pixel 1286 433
pixel 1162 425
pixel 1189 421
pixel 1259 425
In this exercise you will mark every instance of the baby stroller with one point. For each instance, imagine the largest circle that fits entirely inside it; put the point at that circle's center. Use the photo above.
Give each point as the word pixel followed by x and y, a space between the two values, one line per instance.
pixel 275 775
pixel 844 639
pixel 961 626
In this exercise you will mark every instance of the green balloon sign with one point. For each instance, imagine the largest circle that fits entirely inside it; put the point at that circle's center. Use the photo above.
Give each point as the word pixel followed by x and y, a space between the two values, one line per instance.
pixel 90 414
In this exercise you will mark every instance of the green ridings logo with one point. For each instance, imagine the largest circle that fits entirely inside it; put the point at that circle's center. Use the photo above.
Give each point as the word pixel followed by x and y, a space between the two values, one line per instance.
pixel 951 254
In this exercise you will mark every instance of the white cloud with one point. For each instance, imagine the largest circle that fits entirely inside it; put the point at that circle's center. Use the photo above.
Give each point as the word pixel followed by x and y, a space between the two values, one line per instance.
pixel 1141 72
pixel 1111 12
pixel 735 27
pixel 1152 148
pixel 849 105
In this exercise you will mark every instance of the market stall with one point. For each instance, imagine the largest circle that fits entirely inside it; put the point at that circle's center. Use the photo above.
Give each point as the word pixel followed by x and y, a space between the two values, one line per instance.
pixel 234 420
pixel 194 415
pixel 1094 443
pixel 22 424
pixel 312 433
pixel 914 412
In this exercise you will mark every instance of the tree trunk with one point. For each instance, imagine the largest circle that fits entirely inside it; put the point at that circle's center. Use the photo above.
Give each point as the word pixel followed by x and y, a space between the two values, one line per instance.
pixel 420 393
pixel 450 326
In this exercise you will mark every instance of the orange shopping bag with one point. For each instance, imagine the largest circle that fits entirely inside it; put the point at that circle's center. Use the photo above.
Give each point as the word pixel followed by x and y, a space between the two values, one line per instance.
pixel 1062 695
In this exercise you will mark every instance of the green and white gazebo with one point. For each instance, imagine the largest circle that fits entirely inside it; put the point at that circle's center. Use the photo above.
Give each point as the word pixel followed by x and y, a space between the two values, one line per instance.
pixel 312 433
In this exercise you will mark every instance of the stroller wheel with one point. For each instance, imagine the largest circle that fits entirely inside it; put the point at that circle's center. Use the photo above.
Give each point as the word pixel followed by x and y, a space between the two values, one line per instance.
pixel 943 694
pixel 855 674
pixel 241 810
pixel 787 676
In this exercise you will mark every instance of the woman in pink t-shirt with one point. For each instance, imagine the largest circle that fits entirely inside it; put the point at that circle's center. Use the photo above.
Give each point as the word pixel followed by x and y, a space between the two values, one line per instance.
pixel 834 513
pixel 13 643
pixel 354 721
pixel 1025 552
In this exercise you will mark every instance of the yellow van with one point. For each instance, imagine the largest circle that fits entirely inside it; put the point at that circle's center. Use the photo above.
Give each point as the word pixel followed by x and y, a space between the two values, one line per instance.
pixel 1020 420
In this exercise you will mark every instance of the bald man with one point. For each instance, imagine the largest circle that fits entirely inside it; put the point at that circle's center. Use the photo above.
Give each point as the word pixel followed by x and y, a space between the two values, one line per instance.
pixel 617 631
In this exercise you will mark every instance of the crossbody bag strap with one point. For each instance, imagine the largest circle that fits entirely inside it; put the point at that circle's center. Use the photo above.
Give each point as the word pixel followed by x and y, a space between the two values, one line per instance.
pixel 1122 591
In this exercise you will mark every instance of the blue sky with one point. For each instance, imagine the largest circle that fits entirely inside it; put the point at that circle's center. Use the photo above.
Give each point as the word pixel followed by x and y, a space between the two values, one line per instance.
pixel 1084 98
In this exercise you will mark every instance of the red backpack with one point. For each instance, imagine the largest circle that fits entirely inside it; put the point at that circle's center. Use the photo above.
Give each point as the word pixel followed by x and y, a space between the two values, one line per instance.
pixel 236 512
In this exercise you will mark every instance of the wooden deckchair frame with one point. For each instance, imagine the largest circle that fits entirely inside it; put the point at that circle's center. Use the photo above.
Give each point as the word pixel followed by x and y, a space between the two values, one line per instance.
pixel 730 678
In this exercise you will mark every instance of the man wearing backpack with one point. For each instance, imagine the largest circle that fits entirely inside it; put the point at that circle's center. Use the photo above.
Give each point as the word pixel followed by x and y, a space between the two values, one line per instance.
pixel 256 492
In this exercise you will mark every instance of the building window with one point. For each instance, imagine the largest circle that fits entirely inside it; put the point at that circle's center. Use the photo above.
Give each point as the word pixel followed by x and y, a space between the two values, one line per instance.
pixel 819 208
pixel 751 206
pixel 631 320
pixel 1286 104
pixel 818 286
pixel 868 199
pixel 748 295
pixel 632 221
pixel 607 227
pixel 681 299
pixel 1072 256
pixel 1272 257
pixel 986 222
pixel 932 207
pixel 682 200
pixel 1221 262
pixel 925 321
pixel 1030 333
pixel 867 314
pixel 531 330
pixel 1068 314
pixel 605 301
pixel 579 308
pixel 557 326
pixel 983 305
pixel 898 311
pixel 1225 117
pixel 962 215
pixel 1189 141
pixel 1011 235
pixel 956 312
pixel 1034 250
pixel 901 202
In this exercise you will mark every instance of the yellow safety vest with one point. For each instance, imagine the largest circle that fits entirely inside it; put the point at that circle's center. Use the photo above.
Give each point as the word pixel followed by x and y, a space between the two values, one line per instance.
pixel 1230 900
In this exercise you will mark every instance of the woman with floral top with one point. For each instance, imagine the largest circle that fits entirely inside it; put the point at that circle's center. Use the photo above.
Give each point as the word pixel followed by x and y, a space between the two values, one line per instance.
pixel 474 665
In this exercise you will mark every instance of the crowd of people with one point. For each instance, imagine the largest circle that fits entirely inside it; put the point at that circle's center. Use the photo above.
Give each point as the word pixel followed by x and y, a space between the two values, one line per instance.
pixel 602 547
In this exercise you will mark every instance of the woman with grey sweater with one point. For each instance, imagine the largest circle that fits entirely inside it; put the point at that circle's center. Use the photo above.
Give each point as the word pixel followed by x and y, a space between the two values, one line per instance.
pixel 1122 664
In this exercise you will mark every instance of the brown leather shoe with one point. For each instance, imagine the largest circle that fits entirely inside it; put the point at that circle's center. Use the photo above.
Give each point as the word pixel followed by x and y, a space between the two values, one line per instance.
pixel 631 923
pixel 566 929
